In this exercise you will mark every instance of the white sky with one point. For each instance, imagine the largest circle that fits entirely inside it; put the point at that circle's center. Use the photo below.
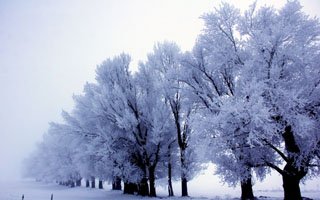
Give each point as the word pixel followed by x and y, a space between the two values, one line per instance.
pixel 50 48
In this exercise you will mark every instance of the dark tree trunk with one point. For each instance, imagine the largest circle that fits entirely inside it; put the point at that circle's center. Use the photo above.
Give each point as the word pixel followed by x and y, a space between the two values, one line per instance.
pixel 291 187
pixel 170 189
pixel 182 135
pixel 291 179
pixel 129 188
pixel 246 190
pixel 71 183
pixel 78 182
pixel 100 184
pixel 184 187
pixel 116 183
pixel 93 182
pixel 152 182
pixel 292 174
pixel 87 183
pixel 143 188
pixel 184 182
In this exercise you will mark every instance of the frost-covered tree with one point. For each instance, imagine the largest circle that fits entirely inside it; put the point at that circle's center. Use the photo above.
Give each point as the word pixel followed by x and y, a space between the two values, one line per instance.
pixel 284 48
pixel 117 104
pixel 131 104
pixel 165 63
pixel 212 72
pixel 228 134
pixel 54 158
pixel 257 74
pixel 161 135
pixel 92 149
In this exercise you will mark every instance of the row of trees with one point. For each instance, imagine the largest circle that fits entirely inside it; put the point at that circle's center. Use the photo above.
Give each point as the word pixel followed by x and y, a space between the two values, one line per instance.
pixel 245 98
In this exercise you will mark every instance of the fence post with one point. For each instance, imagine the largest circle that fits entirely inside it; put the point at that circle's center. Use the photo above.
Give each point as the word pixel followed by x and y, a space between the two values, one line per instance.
pixel 51 196
pixel 22 196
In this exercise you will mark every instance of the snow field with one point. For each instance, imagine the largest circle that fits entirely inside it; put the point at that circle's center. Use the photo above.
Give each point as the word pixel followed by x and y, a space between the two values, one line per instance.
pixel 204 187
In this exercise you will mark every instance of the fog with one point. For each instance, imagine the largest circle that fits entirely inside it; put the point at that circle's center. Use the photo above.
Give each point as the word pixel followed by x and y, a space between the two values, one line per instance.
pixel 49 49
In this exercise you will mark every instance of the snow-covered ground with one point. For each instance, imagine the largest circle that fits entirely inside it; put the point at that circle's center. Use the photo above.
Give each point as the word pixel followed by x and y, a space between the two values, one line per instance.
pixel 205 186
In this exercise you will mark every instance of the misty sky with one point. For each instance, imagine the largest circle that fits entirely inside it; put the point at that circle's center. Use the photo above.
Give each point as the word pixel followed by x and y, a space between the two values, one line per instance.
pixel 49 49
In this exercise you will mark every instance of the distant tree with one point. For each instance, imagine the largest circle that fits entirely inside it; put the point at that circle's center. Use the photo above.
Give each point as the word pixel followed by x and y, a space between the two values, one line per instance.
pixel 54 160
pixel 94 154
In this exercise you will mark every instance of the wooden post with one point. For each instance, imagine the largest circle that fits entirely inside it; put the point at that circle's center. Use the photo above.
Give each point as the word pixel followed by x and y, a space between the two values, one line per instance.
pixel 23 197
pixel 51 196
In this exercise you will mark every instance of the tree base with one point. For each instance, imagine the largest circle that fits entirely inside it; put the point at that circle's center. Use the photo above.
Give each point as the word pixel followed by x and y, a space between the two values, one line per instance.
pixel 246 190
pixel 116 184
pixel 184 187
pixel 130 188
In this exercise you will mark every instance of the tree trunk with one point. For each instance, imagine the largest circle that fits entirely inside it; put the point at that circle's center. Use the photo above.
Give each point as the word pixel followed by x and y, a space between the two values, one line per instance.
pixel 170 189
pixel 182 140
pixel 184 182
pixel 291 187
pixel 246 190
pixel 100 184
pixel 93 182
pixel 116 183
pixel 129 188
pixel 152 182
pixel 292 174
pixel 291 179
pixel 71 183
pixel 78 182
pixel 87 183
pixel 143 188
pixel 184 187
